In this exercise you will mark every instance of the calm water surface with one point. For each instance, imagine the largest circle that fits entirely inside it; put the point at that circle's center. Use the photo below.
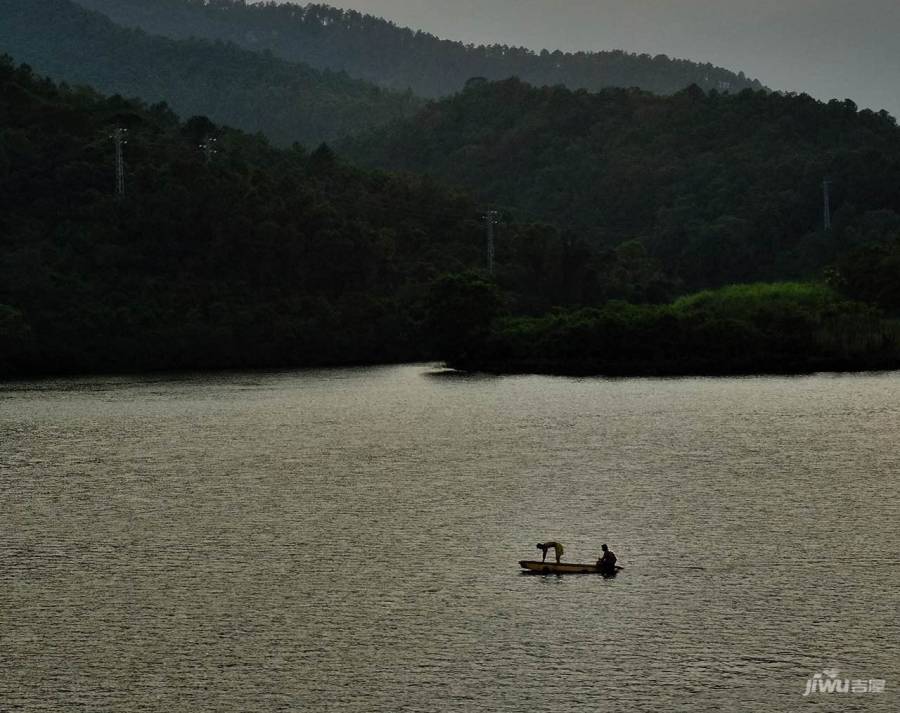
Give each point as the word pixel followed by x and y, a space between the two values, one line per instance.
pixel 348 540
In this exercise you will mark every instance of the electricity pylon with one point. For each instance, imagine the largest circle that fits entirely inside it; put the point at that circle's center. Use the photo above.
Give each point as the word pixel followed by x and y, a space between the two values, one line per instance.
pixel 491 218
pixel 120 138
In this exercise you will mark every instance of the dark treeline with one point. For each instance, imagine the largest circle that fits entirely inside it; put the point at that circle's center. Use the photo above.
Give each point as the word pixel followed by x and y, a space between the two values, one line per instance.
pixel 378 51
pixel 251 256
pixel 743 329
pixel 250 90
pixel 243 255
pixel 717 188
pixel 870 269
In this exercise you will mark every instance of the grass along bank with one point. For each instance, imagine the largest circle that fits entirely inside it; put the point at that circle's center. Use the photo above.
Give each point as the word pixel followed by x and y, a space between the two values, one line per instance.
pixel 791 327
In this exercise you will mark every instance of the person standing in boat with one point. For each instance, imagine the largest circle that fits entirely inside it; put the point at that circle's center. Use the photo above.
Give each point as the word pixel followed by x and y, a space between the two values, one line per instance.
pixel 544 546
pixel 607 563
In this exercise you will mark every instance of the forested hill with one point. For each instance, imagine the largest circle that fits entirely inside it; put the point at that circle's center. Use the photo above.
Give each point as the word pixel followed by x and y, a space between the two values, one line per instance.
pixel 230 253
pixel 721 188
pixel 226 252
pixel 253 91
pixel 379 51
pixel 249 256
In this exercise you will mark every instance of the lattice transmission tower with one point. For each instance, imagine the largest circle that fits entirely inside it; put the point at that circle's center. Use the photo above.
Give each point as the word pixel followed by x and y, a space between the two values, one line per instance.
pixel 120 138
pixel 491 218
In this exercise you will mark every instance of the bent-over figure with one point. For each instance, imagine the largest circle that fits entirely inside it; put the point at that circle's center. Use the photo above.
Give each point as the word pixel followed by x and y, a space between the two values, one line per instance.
pixel 556 546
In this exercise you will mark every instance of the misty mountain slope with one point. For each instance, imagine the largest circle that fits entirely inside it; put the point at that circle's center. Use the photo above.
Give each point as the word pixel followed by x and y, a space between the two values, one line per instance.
pixel 722 188
pixel 253 91
pixel 250 256
pixel 381 52
pixel 259 257
pixel 254 256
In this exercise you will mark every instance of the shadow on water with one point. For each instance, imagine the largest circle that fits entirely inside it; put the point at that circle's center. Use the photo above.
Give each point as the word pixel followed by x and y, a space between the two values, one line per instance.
pixel 556 575
pixel 443 373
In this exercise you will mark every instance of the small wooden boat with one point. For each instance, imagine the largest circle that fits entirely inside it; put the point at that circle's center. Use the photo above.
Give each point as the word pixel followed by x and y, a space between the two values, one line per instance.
pixel 532 567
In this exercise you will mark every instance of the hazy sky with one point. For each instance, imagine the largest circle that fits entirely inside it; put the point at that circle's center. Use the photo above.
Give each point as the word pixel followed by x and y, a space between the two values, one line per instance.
pixel 827 48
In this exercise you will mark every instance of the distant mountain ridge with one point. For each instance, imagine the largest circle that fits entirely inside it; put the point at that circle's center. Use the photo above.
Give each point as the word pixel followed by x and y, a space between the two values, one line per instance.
pixel 381 52
pixel 252 256
pixel 721 188
pixel 254 91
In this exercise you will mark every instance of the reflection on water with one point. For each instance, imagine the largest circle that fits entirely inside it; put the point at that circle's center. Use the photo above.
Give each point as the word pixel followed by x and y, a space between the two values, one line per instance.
pixel 348 540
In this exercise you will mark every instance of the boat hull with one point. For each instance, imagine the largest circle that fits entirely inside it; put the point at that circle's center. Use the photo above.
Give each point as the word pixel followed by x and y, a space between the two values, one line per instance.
pixel 531 567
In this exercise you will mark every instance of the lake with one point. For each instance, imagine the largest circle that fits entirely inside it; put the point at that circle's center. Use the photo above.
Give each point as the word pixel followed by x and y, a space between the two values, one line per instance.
pixel 348 540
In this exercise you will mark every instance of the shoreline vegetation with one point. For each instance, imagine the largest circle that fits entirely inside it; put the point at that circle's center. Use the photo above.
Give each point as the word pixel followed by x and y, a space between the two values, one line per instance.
pixel 220 252
pixel 781 328
pixel 587 371
pixel 686 371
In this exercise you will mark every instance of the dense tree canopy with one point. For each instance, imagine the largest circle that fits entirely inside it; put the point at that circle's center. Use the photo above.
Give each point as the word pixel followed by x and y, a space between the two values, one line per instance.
pixel 719 188
pixel 226 252
pixel 246 256
pixel 249 90
pixel 870 269
pixel 785 328
pixel 377 50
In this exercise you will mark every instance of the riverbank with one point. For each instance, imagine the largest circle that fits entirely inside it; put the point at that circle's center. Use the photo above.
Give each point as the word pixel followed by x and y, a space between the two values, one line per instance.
pixel 740 330
pixel 674 370
pixel 785 328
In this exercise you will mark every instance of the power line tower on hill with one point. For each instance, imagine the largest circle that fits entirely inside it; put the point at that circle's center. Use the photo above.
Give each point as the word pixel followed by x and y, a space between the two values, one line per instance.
pixel 826 188
pixel 208 147
pixel 120 138
pixel 491 218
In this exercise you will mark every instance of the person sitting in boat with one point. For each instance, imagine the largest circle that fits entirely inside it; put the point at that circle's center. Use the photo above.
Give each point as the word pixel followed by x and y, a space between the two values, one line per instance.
pixel 607 563
pixel 544 546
